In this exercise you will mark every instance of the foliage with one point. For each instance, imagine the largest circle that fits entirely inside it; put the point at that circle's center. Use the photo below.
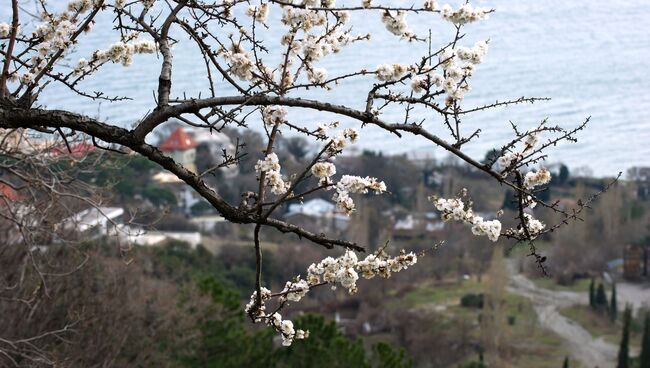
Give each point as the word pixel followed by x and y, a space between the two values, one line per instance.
pixel 328 347
pixel 613 307
pixel 644 359
pixel 472 300
pixel 601 298
pixel 624 348
pixel 159 196
pixel 592 293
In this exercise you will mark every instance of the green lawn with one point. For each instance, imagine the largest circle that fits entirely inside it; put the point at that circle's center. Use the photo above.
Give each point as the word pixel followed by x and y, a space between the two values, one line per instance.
pixel 599 325
pixel 529 344
pixel 581 285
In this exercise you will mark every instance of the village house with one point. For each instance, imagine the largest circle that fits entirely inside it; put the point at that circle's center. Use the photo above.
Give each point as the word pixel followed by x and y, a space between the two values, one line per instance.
pixel 181 147
pixel 317 215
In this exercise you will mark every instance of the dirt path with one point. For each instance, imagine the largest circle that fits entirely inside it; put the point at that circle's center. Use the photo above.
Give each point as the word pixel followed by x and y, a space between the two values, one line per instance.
pixel 592 352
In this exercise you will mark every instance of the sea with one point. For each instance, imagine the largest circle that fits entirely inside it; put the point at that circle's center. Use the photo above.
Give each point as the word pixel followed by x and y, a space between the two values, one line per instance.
pixel 592 58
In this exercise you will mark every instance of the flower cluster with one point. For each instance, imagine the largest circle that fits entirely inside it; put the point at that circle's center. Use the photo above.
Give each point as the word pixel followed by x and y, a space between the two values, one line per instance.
pixel 270 166
pixel 340 141
pixel 5 29
pixel 420 83
pixel 430 5
pixel 120 4
pixel 508 159
pixel 304 19
pixel 473 55
pixel 395 22
pixel 535 179
pixel 261 13
pixel 323 171
pixel 391 72
pixel 455 82
pixel 121 52
pixel 533 225
pixel 81 6
pixel 317 75
pixel 274 320
pixel 323 128
pixel 354 184
pixel 343 270
pixel 274 115
pixel 455 209
pixel 241 64
pixel 465 14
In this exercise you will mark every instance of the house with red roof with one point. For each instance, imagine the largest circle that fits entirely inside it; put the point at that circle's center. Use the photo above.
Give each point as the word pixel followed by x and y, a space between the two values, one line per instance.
pixel 78 150
pixel 7 193
pixel 181 147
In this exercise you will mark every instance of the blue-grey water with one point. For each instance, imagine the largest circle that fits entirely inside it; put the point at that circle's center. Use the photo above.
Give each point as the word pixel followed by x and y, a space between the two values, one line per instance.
pixel 591 58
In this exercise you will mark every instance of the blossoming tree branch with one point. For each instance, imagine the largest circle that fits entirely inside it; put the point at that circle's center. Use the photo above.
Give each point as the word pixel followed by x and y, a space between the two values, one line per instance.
pixel 39 50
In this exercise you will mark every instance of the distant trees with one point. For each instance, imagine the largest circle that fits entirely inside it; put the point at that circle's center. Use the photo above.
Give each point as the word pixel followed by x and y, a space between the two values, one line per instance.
pixel 613 307
pixel 601 298
pixel 644 359
pixel 563 175
pixel 624 348
pixel 493 318
pixel 598 300
pixel 592 293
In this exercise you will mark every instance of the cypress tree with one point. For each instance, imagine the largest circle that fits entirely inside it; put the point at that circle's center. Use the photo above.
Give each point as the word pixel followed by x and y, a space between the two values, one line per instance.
pixel 624 349
pixel 613 308
pixel 592 293
pixel 644 359
pixel 566 362
pixel 601 298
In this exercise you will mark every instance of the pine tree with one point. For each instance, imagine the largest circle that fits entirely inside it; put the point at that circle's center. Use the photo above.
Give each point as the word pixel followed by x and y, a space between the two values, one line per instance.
pixel 566 362
pixel 592 293
pixel 601 298
pixel 624 350
pixel 644 359
pixel 613 308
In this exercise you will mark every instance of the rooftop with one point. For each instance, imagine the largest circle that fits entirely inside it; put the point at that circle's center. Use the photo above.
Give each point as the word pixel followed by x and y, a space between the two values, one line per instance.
pixel 179 140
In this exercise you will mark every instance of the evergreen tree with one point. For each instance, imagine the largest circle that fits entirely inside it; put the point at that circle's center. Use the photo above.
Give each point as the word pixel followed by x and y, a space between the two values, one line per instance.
pixel 566 362
pixel 613 308
pixel 644 359
pixel 624 350
pixel 592 293
pixel 601 298
pixel 564 174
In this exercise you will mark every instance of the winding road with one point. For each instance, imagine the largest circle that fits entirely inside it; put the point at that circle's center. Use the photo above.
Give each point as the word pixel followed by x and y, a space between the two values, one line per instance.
pixel 592 352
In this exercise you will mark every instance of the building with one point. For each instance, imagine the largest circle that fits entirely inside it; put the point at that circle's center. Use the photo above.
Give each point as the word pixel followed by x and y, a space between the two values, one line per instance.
pixel 94 222
pixel 418 225
pixel 635 262
pixel 181 147
pixel 210 150
pixel 317 215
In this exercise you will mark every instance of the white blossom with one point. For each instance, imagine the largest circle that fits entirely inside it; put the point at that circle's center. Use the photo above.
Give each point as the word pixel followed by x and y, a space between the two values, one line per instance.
pixel 274 115
pixel 430 5
pixel 5 29
pixel 261 13
pixel 535 179
pixel 463 15
pixel 270 166
pixel 533 225
pixel 317 75
pixel 395 22
pixel 323 169
pixel 456 209
pixel 390 72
